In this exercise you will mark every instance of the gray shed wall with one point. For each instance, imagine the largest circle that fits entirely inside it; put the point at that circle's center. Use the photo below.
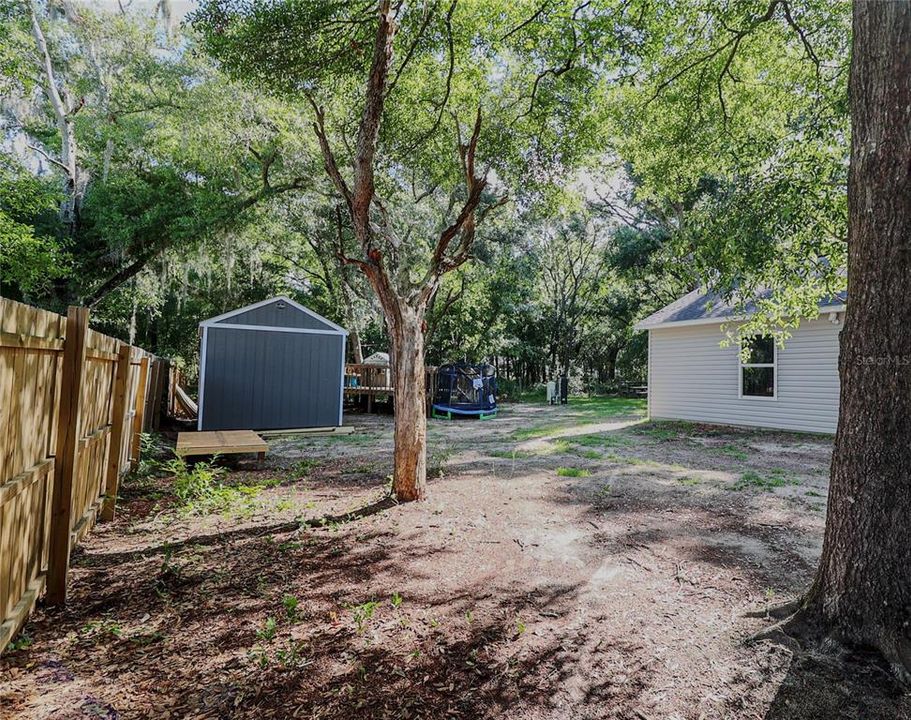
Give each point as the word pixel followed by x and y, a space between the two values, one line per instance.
pixel 289 316
pixel 262 379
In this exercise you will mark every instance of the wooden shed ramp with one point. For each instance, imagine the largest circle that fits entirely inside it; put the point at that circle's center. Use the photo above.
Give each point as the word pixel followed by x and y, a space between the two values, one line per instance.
pixel 221 442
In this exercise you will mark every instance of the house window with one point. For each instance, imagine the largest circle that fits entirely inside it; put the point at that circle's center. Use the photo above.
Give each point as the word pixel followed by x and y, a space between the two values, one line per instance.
pixel 757 367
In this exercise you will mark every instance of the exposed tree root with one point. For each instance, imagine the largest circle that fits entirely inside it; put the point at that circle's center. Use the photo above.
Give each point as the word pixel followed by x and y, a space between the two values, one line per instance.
pixel 788 631
pixel 804 629
pixel 779 612
pixel 899 659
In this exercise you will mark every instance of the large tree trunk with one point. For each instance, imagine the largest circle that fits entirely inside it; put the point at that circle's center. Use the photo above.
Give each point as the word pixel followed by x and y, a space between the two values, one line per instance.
pixel 862 591
pixel 357 347
pixel 64 111
pixel 409 479
pixel 610 362
pixel 354 335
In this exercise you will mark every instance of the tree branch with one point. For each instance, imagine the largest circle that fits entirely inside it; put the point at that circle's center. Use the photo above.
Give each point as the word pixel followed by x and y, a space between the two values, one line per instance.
pixel 525 23
pixel 47 157
pixel 329 162
pixel 369 129
pixel 428 14
pixel 60 108
pixel 450 72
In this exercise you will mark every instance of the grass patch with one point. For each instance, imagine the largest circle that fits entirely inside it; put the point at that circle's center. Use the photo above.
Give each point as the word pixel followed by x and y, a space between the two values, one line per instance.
pixel 511 454
pixel 591 454
pixel 583 410
pixel 592 440
pixel 200 490
pixel 554 447
pixel 559 447
pixel 572 472
pixel 733 451
pixel 355 438
pixel 538 431
pixel 687 480
pixel 302 467
pixel 602 440
pixel 661 431
pixel 775 478
pixel 607 406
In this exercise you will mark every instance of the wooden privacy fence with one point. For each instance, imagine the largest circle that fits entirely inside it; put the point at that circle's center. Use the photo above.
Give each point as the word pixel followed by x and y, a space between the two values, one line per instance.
pixel 73 404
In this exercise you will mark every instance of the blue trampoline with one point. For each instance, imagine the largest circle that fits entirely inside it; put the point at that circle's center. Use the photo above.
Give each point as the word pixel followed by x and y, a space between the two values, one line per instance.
pixel 465 390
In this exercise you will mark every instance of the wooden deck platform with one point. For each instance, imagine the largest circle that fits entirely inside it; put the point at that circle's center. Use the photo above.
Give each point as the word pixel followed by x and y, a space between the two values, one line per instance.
pixel 220 442
pixel 364 381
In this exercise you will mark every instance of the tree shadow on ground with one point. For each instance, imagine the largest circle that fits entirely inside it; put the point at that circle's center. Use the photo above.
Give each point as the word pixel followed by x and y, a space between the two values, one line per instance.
pixel 845 686
pixel 726 534
pixel 100 559
pixel 205 629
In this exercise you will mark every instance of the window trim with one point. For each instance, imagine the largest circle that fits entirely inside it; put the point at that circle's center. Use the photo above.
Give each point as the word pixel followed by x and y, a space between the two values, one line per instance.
pixel 774 365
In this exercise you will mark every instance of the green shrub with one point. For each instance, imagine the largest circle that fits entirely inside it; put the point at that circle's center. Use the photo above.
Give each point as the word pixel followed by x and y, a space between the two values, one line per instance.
pixel 200 488
pixel 196 483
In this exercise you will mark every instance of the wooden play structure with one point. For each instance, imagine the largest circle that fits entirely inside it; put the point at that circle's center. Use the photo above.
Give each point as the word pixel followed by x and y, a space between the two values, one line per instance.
pixel 366 382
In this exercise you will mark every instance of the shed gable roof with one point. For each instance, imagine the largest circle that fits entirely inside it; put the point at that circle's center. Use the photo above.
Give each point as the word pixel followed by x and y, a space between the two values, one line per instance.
pixel 264 316
pixel 705 306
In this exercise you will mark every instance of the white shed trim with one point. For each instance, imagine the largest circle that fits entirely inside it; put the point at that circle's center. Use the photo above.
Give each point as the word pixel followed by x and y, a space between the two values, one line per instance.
pixel 276 328
pixel 341 388
pixel 202 376
pixel 217 320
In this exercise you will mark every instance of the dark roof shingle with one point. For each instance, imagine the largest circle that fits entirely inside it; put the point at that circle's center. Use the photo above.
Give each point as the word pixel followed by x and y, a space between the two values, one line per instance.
pixel 705 305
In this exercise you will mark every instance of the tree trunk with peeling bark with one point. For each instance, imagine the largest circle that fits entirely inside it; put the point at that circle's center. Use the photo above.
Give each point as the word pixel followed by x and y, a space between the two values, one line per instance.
pixel 409 402
pixel 862 590
pixel 404 302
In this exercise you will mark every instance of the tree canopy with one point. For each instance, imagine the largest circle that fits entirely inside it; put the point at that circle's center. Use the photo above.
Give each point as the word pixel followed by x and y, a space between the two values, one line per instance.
pixel 671 127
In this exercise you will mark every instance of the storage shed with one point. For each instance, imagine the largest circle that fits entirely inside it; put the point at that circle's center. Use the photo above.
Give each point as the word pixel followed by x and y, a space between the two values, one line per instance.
pixel 692 377
pixel 271 365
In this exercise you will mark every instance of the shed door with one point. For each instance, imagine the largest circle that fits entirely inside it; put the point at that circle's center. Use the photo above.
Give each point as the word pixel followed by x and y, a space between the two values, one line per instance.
pixel 261 380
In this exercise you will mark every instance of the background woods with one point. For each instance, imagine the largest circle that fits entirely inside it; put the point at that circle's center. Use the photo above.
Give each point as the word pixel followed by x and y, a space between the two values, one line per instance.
pixel 196 194
pixel 518 183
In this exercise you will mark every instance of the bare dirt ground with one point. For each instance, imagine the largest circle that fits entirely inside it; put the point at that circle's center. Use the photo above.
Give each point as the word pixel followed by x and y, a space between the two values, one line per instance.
pixel 571 563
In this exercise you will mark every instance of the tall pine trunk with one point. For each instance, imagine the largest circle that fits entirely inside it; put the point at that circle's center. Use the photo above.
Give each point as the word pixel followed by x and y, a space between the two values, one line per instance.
pixel 409 480
pixel 862 591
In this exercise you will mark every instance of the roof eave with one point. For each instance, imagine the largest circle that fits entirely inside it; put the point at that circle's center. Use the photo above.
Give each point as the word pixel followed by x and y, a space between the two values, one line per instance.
pixel 645 325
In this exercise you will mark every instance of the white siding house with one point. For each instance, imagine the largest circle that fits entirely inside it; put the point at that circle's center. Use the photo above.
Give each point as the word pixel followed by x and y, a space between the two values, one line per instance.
pixel 691 377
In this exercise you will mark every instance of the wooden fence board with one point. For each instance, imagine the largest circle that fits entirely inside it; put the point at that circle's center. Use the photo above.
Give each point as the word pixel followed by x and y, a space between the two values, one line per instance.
pixel 67 454
pixel 31 341
pixel 118 423
pixel 68 427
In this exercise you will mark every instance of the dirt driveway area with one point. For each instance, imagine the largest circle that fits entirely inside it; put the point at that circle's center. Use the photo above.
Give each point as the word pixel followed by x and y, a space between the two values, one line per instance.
pixel 571 562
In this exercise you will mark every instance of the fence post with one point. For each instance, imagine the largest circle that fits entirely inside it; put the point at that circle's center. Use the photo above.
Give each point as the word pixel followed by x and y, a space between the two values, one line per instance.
pixel 118 418
pixel 172 389
pixel 67 452
pixel 138 417
pixel 158 388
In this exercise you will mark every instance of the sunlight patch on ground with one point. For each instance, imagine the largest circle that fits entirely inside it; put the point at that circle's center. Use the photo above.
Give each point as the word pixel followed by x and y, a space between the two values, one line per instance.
pixel 541 443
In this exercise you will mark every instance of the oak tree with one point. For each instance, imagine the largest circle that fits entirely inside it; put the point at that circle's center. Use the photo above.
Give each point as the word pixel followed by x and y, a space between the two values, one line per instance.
pixel 428 116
